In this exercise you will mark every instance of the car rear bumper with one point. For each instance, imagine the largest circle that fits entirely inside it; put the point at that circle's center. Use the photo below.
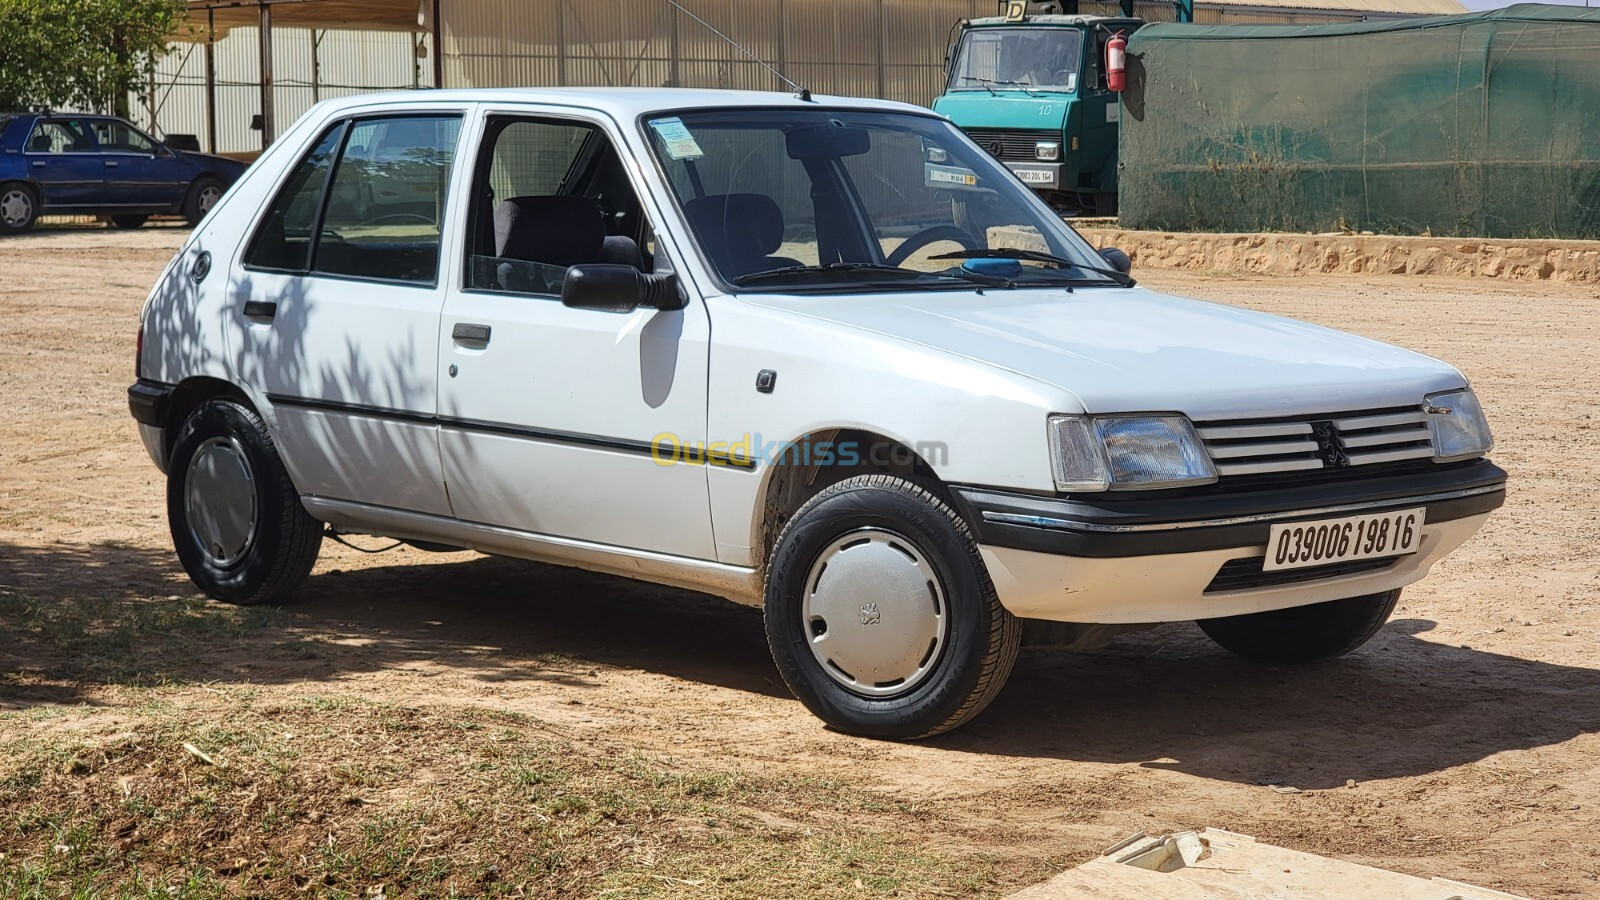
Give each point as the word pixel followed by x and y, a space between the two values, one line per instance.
pixel 148 402
pixel 1152 559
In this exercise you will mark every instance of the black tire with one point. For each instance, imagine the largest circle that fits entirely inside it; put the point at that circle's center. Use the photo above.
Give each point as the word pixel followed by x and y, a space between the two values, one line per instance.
pixel 981 639
pixel 1303 634
pixel 194 203
pixel 284 540
pixel 129 220
pixel 19 207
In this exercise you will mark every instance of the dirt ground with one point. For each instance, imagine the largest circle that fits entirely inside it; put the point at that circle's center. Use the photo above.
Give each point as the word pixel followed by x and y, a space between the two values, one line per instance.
pixel 1461 742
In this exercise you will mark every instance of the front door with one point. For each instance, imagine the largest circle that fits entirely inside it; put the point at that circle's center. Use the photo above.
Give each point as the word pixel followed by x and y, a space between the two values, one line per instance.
pixel 548 414
pixel 138 172
pixel 62 160
pixel 336 310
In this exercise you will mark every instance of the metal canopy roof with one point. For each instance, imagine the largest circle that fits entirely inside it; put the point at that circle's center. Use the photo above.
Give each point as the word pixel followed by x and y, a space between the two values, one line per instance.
pixel 363 15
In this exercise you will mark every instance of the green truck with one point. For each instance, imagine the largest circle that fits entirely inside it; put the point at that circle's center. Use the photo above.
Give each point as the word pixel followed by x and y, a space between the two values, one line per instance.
pixel 1030 86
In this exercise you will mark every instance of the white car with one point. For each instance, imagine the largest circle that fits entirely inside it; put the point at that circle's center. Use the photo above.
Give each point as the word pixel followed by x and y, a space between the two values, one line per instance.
pixel 821 355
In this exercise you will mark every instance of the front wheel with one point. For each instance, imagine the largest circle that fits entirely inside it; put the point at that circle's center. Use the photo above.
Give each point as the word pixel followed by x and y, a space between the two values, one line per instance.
pixel 237 522
pixel 203 194
pixel 1303 634
pixel 881 615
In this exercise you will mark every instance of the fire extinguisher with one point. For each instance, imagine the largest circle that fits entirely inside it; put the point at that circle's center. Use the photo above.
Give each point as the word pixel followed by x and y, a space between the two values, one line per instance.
pixel 1117 62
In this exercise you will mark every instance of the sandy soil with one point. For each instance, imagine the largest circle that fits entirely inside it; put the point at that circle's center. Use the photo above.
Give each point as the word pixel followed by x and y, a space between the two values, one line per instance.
pixel 1461 742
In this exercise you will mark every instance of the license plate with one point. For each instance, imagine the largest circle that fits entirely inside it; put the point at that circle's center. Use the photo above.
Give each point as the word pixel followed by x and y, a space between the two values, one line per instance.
pixel 1297 545
pixel 1036 176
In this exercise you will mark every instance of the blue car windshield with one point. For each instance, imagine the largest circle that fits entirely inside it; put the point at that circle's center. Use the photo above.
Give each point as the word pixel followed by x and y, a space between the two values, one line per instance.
pixel 895 200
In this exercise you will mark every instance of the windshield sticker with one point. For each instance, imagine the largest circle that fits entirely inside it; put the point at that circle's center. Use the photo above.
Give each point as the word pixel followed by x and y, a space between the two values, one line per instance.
pixel 680 143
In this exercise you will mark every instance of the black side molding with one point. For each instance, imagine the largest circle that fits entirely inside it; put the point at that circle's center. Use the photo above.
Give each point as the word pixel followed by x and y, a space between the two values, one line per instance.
pixel 148 401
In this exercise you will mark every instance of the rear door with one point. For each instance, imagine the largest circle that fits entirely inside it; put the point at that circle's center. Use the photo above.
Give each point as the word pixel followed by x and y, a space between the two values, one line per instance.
pixel 337 305
pixel 63 160
pixel 549 415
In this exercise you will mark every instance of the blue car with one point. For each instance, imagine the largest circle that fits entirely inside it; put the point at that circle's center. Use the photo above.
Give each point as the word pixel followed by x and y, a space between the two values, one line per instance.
pixel 100 165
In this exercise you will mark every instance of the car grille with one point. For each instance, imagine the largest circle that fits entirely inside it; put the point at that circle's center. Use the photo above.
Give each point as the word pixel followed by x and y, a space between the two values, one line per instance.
pixel 1242 574
pixel 1307 443
pixel 1014 145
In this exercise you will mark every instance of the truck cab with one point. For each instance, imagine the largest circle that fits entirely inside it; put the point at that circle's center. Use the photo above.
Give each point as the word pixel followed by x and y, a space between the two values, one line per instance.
pixel 1032 90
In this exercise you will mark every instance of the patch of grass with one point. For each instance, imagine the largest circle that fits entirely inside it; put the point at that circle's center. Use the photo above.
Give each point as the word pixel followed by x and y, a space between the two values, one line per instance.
pixel 340 796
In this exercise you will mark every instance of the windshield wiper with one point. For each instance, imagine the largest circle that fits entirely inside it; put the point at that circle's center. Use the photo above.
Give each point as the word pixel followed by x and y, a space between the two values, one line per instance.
pixel 1039 256
pixel 874 271
pixel 983 81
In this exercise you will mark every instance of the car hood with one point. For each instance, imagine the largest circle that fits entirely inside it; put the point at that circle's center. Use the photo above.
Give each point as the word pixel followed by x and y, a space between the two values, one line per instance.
pixel 221 163
pixel 1136 350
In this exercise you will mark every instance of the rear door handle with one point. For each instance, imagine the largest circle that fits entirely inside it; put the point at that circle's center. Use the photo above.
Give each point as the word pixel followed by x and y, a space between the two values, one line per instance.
pixel 465 333
pixel 260 309
pixel 38 164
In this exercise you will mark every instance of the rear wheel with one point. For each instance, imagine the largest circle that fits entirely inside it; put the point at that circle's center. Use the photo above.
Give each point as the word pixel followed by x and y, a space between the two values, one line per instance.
pixel 880 613
pixel 236 519
pixel 203 194
pixel 1303 634
pixel 128 221
pixel 19 207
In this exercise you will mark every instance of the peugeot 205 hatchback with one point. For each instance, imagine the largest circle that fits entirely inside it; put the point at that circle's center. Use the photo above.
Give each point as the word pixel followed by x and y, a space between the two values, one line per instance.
pixel 825 356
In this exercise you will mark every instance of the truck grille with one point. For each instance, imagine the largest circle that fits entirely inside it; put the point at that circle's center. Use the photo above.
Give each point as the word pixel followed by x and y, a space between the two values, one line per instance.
pixel 1333 441
pixel 1246 573
pixel 1014 145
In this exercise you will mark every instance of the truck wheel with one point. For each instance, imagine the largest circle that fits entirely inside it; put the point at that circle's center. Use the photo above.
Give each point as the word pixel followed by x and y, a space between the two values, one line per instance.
pixel 237 521
pixel 128 221
pixel 19 207
pixel 1303 634
pixel 880 612
pixel 203 194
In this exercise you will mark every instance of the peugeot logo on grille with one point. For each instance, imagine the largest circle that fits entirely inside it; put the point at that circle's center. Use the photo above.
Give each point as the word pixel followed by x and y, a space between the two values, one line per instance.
pixel 1328 446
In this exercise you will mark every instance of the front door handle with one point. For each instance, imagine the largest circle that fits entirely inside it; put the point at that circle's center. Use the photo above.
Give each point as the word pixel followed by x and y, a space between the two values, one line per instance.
pixel 111 164
pixel 260 309
pixel 465 333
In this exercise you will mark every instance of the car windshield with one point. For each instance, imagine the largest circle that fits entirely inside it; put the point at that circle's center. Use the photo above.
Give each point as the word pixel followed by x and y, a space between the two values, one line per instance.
pixel 825 198
pixel 1040 59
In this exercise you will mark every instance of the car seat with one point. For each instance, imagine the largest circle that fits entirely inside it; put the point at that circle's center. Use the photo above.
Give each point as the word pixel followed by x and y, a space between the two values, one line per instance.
pixel 740 232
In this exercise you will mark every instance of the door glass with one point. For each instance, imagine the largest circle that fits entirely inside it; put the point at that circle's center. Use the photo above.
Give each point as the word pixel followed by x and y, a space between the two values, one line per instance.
pixel 116 137
pixel 284 238
pixel 60 137
pixel 386 205
pixel 530 232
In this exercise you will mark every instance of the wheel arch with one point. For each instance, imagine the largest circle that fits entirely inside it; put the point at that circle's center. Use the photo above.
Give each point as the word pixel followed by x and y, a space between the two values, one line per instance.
pixel 188 395
pixel 796 475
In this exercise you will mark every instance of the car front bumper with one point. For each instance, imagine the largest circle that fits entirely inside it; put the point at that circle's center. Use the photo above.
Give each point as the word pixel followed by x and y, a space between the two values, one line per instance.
pixel 1129 559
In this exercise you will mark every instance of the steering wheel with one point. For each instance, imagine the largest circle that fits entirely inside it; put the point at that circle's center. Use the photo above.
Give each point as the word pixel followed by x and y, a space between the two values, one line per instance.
pixel 928 236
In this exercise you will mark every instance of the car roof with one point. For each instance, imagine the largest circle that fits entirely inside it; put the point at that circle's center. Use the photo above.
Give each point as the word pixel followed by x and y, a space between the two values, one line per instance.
pixel 625 103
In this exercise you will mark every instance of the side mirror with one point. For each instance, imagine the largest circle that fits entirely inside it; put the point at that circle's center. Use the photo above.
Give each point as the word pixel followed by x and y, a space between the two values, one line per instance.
pixel 1117 259
pixel 620 289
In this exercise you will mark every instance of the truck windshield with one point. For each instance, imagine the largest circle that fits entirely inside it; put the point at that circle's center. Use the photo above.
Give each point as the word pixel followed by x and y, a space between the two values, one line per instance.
pixel 1038 58
pixel 821 199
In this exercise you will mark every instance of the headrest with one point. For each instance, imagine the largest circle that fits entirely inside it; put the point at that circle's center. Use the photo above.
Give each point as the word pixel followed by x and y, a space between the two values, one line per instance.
pixel 561 230
pixel 748 225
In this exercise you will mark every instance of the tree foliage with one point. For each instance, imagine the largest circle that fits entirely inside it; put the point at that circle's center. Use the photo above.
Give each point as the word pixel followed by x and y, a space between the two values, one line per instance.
pixel 81 54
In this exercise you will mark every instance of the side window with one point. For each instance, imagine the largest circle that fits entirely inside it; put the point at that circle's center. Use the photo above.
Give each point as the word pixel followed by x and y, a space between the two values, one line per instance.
pixel 117 137
pixel 283 241
pixel 60 136
pixel 529 226
pixel 386 204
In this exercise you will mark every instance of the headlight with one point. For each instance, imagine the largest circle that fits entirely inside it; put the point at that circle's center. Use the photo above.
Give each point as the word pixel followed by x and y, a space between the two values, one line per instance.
pixel 1459 427
pixel 1047 150
pixel 1098 453
pixel 937 155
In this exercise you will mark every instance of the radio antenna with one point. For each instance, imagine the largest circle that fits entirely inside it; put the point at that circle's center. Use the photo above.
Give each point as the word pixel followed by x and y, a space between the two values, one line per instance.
pixel 799 91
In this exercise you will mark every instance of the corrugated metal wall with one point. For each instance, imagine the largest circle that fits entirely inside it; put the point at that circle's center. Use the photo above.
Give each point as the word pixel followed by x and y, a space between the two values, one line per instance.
pixel 342 63
pixel 874 48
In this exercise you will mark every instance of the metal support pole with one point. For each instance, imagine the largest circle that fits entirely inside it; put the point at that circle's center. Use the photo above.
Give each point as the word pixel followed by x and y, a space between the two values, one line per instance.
pixel 211 81
pixel 438 47
pixel 267 130
pixel 674 75
pixel 883 48
pixel 316 66
pixel 561 42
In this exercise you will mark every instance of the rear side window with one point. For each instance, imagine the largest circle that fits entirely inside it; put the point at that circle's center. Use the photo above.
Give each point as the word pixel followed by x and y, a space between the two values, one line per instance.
pixel 367 202
pixel 386 205
pixel 283 241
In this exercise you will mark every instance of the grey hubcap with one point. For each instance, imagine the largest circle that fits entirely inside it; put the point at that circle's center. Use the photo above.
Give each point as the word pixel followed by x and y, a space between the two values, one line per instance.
pixel 220 498
pixel 208 198
pixel 875 613
pixel 16 207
